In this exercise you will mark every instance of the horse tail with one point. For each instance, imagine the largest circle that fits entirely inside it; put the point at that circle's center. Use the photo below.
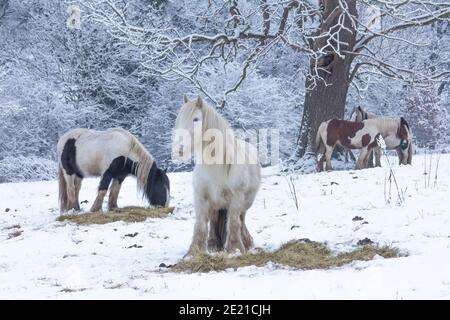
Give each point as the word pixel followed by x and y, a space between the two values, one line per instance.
pixel 221 228
pixel 63 200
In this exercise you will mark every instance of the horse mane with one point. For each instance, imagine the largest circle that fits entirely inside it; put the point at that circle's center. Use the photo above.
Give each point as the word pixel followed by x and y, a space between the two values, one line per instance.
pixel 235 150
pixel 144 161
pixel 213 120
pixel 364 114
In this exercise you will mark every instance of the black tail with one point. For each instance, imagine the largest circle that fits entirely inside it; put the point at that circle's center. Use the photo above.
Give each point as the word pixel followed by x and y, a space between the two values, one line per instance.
pixel 221 228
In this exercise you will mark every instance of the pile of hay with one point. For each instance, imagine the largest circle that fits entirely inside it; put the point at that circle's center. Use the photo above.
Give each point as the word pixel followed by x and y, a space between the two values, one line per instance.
pixel 296 254
pixel 127 214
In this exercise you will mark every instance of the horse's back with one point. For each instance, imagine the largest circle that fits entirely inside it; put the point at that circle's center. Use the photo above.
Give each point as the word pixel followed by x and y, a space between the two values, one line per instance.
pixel 71 134
pixel 96 150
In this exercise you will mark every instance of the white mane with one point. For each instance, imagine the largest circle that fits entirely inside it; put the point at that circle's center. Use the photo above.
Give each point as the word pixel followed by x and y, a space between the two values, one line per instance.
pixel 235 151
pixel 359 114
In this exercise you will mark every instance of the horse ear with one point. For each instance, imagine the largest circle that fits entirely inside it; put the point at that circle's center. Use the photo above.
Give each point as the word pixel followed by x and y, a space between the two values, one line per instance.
pixel 359 108
pixel 199 102
pixel 185 98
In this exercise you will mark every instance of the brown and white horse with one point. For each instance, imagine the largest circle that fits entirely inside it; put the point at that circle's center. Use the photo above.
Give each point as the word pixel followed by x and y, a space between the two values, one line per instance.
pixel 387 132
pixel 359 114
pixel 112 154
pixel 362 135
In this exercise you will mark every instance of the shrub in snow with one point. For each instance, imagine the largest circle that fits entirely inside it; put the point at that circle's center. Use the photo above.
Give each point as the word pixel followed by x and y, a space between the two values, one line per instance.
pixel 28 168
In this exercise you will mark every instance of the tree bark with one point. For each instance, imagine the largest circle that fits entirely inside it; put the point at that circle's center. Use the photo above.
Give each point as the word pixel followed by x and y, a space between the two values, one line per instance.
pixel 327 98
pixel 3 7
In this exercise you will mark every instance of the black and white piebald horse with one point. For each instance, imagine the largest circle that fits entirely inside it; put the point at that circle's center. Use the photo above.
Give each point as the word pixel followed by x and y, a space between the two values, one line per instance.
pixel 112 154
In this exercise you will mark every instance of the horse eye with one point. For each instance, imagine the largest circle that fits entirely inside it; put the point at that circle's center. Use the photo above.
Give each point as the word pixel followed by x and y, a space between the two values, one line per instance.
pixel 195 119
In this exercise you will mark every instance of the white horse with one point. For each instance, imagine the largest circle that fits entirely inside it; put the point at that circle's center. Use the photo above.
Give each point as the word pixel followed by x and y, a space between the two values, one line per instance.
pixel 112 154
pixel 388 128
pixel 226 177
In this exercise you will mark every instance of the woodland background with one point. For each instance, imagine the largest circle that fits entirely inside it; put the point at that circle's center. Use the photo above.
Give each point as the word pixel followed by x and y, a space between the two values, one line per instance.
pixel 129 63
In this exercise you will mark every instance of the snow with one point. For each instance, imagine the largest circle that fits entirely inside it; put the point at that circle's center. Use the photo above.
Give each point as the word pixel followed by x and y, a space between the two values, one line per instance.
pixel 60 260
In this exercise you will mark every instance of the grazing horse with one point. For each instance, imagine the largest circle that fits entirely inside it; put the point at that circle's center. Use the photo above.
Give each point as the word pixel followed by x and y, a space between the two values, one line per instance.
pixel 389 134
pixel 112 154
pixel 351 135
pixel 362 135
pixel 226 177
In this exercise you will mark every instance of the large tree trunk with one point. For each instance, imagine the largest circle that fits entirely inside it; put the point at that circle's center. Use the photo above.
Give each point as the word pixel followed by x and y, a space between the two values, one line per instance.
pixel 3 7
pixel 327 97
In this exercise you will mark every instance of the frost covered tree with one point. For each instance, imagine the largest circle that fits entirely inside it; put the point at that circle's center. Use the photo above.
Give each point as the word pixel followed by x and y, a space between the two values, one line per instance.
pixel 263 63
pixel 53 78
pixel 431 121
pixel 3 7
pixel 338 41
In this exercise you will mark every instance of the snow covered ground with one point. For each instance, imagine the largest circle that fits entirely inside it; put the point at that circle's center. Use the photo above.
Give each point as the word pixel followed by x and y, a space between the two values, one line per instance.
pixel 42 258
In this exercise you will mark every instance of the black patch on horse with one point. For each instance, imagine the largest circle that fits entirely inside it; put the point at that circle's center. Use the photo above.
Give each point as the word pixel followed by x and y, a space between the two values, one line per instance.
pixel 119 169
pixel 158 186
pixel 69 159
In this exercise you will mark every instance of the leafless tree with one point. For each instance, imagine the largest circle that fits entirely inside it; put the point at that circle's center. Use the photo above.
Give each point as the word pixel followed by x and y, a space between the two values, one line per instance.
pixel 3 7
pixel 341 39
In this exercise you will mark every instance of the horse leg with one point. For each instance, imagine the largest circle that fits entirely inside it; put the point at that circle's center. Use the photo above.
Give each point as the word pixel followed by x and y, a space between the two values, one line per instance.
pixel 370 159
pixel 102 188
pixel 78 181
pixel 114 194
pixel 352 156
pixel 214 242
pixel 328 154
pixel 400 155
pixel 362 159
pixel 410 153
pixel 245 234
pixel 377 151
pixel 203 213
pixel 320 163
pixel 234 227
